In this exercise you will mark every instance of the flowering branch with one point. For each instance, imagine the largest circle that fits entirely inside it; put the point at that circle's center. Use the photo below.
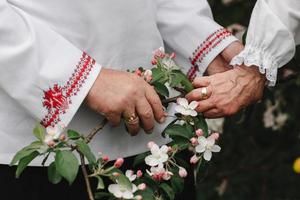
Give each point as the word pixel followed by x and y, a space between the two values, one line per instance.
pixel 188 131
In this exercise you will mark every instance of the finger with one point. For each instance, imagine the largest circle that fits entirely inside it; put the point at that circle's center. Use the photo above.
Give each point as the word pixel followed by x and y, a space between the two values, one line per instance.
pixel 201 81
pixel 213 113
pixel 113 118
pixel 156 105
pixel 198 94
pixel 145 113
pixel 131 121
pixel 205 105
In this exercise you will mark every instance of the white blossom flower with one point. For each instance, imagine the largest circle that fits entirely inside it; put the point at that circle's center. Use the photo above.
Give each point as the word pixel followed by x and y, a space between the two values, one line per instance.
pixel 207 146
pixel 130 175
pixel 158 155
pixel 216 124
pixel 160 173
pixel 185 108
pixel 53 133
pixel 121 191
pixel 272 120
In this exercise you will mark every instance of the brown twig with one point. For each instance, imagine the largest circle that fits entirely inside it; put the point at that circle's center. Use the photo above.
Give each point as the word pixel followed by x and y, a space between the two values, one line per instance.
pixel 88 138
pixel 86 176
pixel 98 128
pixel 172 100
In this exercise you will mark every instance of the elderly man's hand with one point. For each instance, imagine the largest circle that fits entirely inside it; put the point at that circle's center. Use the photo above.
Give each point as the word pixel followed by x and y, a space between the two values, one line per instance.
pixel 116 94
pixel 228 92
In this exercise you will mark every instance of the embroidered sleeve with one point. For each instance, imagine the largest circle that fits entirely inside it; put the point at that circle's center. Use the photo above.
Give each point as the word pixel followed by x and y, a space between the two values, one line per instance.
pixel 208 50
pixel 40 70
pixel 59 99
pixel 189 29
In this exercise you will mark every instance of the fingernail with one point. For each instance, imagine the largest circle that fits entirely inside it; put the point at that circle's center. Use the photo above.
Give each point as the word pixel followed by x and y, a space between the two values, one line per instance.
pixel 162 120
pixel 149 131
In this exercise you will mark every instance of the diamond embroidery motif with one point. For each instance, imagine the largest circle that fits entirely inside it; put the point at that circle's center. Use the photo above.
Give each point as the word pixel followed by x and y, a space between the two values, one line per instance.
pixel 58 98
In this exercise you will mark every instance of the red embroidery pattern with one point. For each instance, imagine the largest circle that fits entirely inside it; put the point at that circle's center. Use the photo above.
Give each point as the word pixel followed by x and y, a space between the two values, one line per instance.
pixel 57 99
pixel 203 49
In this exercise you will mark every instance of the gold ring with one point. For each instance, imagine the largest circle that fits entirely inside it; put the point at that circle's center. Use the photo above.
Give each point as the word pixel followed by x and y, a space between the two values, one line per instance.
pixel 203 94
pixel 132 120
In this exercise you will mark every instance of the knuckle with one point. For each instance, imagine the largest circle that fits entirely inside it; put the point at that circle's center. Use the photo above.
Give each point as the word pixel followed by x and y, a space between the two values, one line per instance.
pixel 147 114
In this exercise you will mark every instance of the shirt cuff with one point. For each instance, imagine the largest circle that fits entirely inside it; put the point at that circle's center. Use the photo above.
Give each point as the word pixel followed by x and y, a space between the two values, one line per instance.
pixel 63 101
pixel 254 56
pixel 208 50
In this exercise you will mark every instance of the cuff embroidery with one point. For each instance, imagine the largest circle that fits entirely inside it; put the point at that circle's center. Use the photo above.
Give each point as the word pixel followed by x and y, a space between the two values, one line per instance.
pixel 205 48
pixel 58 98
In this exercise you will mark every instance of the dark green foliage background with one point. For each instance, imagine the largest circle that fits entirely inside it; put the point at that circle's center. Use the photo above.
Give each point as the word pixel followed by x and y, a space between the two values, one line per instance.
pixel 256 163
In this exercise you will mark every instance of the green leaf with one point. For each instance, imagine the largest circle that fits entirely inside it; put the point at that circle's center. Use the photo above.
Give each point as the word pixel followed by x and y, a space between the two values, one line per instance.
pixel 189 130
pixel 186 83
pixel 168 191
pixel 139 159
pixel 67 165
pixel 177 130
pixel 161 89
pixel 26 151
pixel 181 142
pixel 102 195
pixel 39 133
pixel 100 185
pixel 169 125
pixel 177 184
pixel 147 194
pixel 124 181
pixel 53 176
pixel 24 162
pixel 176 79
pixel 200 123
pixel 21 154
pixel 86 151
pixel 157 74
pixel 73 135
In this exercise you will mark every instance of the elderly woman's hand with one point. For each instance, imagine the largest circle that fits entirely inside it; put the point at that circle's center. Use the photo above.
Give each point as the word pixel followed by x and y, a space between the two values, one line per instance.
pixel 117 94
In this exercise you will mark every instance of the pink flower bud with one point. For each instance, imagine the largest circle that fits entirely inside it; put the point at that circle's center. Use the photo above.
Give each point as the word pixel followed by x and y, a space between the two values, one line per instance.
pixel 215 136
pixel 142 186
pixel 170 149
pixel 116 174
pixel 138 197
pixel 119 162
pixel 51 144
pixel 62 137
pixel 153 61
pixel 138 72
pixel 148 78
pixel 105 158
pixel 194 141
pixel 173 55
pixel 194 159
pixel 139 173
pixel 150 144
pixel 199 132
pixel 182 172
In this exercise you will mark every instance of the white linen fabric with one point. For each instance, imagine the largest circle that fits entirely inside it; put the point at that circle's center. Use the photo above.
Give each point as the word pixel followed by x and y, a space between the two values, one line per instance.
pixel 48 53
pixel 273 33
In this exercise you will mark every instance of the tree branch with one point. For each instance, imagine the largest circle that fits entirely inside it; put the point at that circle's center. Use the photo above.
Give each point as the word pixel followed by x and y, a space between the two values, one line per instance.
pixel 98 128
pixel 86 176
pixel 172 100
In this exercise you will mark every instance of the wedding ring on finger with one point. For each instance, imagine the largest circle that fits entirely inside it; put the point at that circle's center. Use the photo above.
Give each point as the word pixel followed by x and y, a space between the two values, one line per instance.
pixel 132 120
pixel 203 93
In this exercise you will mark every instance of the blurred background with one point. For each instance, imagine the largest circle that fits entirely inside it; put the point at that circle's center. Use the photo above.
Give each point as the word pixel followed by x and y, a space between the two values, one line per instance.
pixel 260 145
